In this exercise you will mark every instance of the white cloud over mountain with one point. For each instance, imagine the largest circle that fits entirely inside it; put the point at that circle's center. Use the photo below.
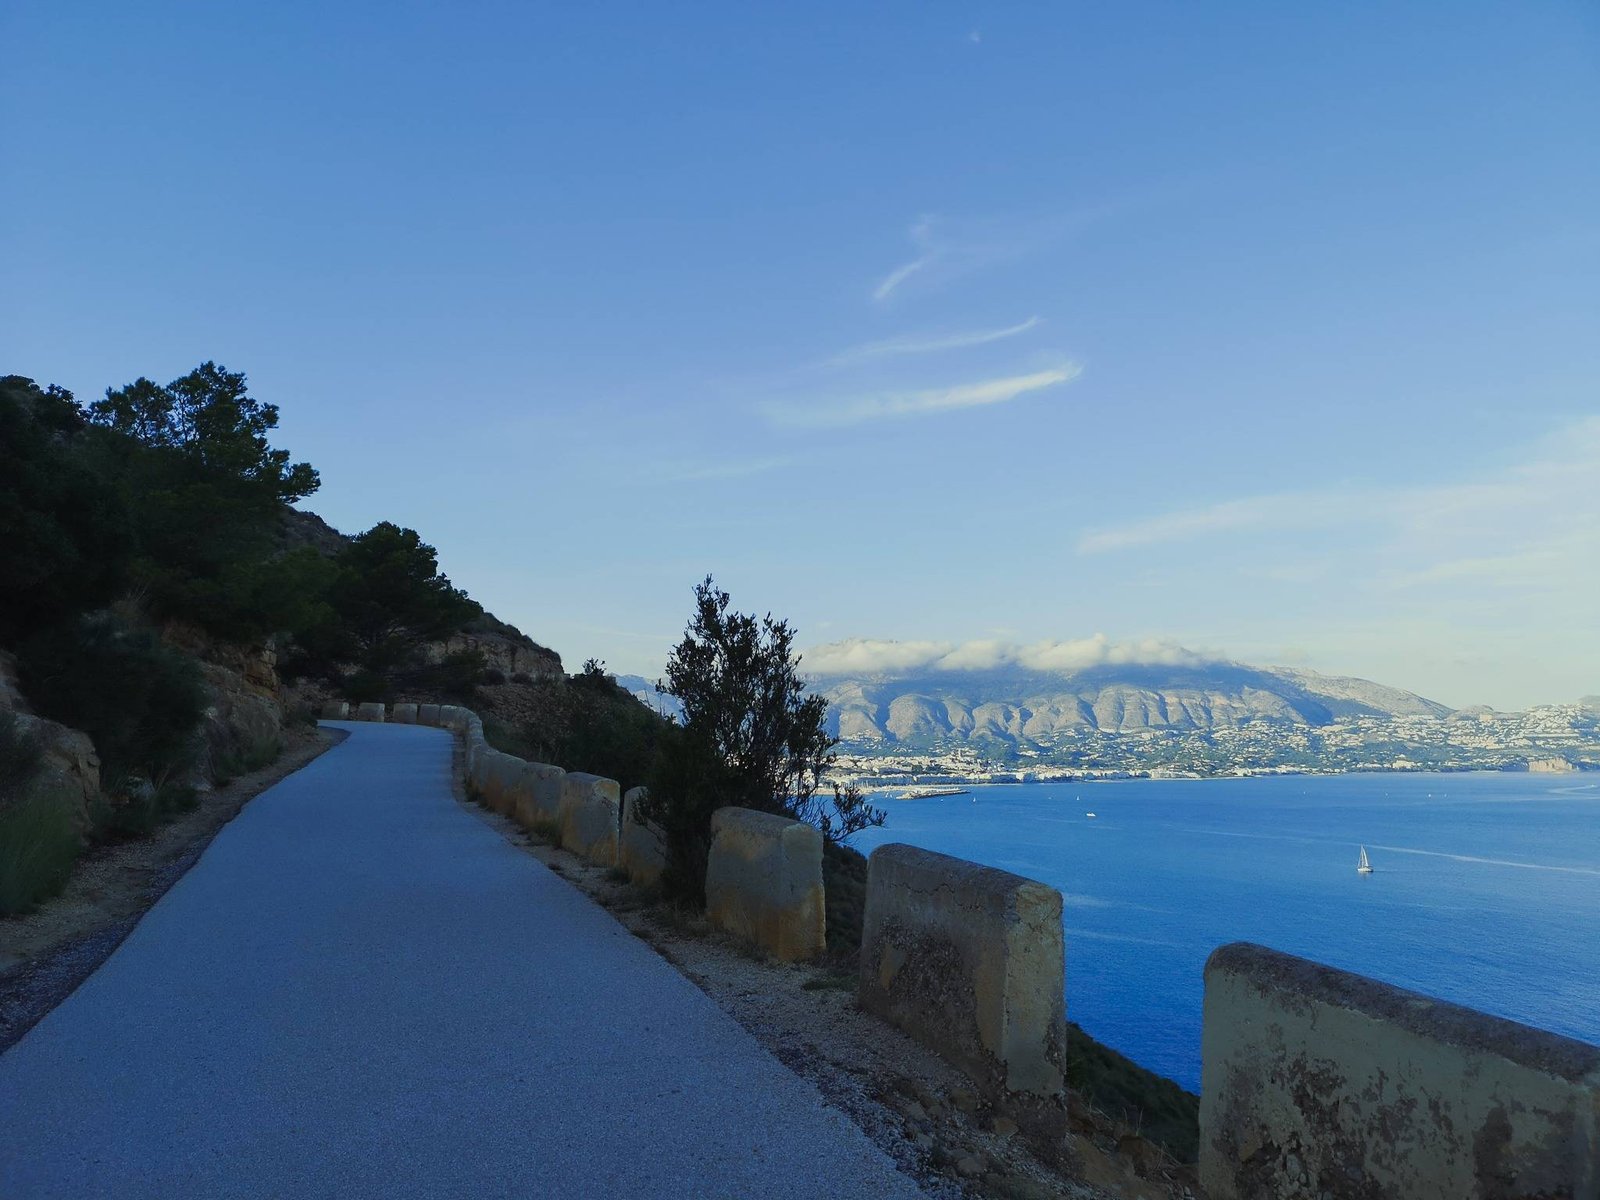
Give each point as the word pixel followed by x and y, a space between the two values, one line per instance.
pixel 872 657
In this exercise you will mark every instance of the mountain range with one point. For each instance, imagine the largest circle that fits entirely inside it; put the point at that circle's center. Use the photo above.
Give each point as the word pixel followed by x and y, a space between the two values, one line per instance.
pixel 1018 706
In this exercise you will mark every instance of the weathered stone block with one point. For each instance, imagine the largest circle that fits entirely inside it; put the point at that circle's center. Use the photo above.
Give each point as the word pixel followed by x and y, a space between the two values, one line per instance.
pixel 590 815
pixel 369 711
pixel 495 776
pixel 453 717
pixel 336 710
pixel 538 801
pixel 969 960
pixel 643 850
pixel 1320 1083
pixel 487 772
pixel 473 743
pixel 403 714
pixel 764 882
pixel 428 714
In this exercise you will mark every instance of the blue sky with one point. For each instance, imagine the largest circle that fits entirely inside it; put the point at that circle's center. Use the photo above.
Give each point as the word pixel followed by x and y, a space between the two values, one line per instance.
pixel 1269 331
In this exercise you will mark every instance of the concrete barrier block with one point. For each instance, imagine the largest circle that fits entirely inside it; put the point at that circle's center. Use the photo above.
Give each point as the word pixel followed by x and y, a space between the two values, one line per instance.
pixel 538 804
pixel 643 850
pixel 453 717
pixel 764 882
pixel 473 743
pixel 403 714
pixel 369 711
pixel 503 779
pixel 487 773
pixel 1320 1083
pixel 969 960
pixel 428 714
pixel 336 710
pixel 590 816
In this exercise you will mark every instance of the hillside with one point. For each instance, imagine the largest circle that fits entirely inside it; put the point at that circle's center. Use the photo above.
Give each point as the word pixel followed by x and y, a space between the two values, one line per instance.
pixel 505 648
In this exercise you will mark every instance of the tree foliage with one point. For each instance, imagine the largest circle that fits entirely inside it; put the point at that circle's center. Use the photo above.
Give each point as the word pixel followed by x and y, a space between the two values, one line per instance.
pixel 751 736
pixel 205 491
pixel 68 536
pixel 389 598
pixel 209 417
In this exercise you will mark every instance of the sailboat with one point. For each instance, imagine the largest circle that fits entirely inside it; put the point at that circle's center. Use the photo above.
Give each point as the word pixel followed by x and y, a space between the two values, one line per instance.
pixel 1363 867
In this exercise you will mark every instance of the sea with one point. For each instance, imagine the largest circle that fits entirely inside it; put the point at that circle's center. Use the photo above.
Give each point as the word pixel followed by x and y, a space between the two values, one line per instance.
pixel 1485 889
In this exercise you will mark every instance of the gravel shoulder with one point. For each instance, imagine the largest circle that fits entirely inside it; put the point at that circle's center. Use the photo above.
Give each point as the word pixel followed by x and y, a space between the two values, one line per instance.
pixel 46 954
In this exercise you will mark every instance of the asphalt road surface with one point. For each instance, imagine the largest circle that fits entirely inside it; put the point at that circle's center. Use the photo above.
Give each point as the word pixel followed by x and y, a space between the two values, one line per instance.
pixel 362 990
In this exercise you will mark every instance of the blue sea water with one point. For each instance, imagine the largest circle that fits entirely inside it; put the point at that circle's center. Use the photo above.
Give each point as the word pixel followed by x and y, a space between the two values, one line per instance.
pixel 1486 890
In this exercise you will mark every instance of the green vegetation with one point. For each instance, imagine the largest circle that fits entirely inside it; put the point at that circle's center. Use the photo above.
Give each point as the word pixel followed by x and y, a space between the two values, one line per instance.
pixel 844 885
pixel 381 601
pixel 585 722
pixel 39 839
pixel 1151 1104
pixel 137 698
pixel 751 736
pixel 163 508
pixel 589 722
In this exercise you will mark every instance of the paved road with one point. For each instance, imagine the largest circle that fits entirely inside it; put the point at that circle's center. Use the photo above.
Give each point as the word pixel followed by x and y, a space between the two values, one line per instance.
pixel 363 990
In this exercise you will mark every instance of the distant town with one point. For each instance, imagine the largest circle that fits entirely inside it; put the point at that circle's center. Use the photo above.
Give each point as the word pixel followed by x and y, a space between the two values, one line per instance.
pixel 1556 738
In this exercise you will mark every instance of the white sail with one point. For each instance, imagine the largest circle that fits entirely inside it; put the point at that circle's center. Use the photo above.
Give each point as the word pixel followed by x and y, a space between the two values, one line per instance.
pixel 1363 866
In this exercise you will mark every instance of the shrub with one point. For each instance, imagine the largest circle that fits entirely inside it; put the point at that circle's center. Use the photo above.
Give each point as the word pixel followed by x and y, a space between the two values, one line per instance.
pixel 140 806
pixel 39 836
pixel 39 842
pixel 243 759
pixel 587 723
pixel 137 699
pixel 751 736
pixel 844 883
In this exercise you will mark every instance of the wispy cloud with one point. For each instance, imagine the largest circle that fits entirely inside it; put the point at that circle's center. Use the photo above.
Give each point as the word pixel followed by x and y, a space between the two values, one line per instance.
pixel 890 405
pixel 1282 511
pixel 946 248
pixel 922 236
pixel 872 657
pixel 929 343
pixel 1553 493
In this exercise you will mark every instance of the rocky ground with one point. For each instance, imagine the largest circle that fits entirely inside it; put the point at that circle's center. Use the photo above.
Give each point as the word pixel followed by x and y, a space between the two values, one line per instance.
pixel 45 954
pixel 920 1110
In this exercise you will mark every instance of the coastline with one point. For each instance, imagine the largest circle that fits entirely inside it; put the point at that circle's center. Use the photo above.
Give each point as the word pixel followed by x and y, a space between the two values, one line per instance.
pixel 878 786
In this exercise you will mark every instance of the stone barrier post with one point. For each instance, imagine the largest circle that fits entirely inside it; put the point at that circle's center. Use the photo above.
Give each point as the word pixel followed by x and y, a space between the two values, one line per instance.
pixel 369 711
pixel 1319 1083
pixel 403 714
pixel 970 961
pixel 764 882
pixel 538 805
pixel 643 849
pixel 590 817
pixel 336 710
